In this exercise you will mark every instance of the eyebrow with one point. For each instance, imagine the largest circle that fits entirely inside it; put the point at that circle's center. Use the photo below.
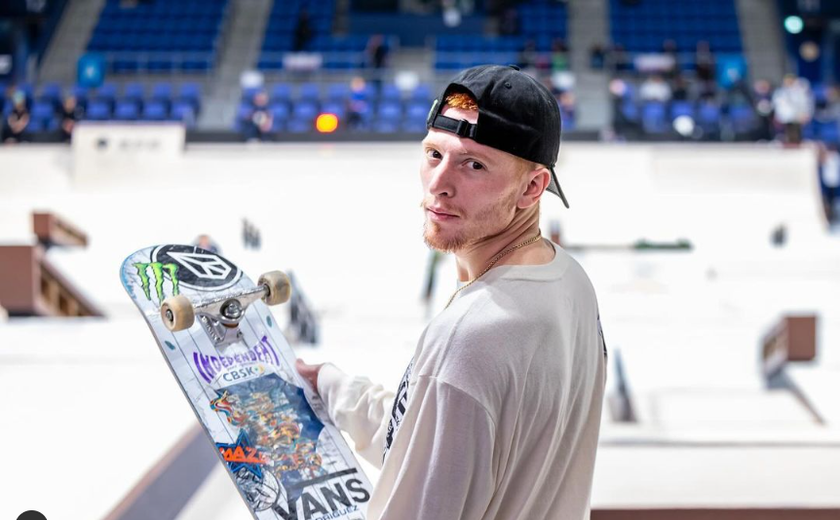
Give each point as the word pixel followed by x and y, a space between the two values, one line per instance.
pixel 475 153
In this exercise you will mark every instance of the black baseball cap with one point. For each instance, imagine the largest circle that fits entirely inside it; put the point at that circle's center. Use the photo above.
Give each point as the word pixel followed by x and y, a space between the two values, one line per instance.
pixel 516 114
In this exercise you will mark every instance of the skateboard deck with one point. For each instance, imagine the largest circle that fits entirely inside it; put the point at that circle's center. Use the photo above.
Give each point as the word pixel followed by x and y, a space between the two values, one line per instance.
pixel 269 428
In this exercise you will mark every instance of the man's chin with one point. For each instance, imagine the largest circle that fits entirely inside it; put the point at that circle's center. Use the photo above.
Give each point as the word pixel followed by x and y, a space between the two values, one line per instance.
pixel 436 240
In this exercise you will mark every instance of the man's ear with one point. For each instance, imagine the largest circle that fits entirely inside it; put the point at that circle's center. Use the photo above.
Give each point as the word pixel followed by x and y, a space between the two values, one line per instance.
pixel 538 180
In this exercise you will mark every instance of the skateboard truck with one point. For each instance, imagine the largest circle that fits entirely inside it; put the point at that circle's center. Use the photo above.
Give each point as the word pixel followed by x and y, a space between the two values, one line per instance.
pixel 220 317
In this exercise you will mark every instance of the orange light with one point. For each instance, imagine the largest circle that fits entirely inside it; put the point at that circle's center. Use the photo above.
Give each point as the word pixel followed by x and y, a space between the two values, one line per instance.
pixel 326 123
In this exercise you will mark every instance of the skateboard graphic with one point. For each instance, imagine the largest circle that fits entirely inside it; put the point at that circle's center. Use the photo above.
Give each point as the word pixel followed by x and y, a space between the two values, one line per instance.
pixel 236 369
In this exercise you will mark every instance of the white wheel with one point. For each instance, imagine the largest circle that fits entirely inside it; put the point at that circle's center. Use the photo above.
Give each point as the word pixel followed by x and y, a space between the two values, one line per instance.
pixel 278 285
pixel 177 313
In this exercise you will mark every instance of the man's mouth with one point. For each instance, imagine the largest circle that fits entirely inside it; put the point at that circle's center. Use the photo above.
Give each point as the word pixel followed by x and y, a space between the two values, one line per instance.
pixel 440 215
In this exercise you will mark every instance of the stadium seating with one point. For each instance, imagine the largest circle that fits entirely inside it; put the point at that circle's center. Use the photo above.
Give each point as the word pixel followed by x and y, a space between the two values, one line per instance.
pixel 159 35
pixel 280 32
pixel 294 110
pixel 133 102
pixel 541 23
pixel 644 26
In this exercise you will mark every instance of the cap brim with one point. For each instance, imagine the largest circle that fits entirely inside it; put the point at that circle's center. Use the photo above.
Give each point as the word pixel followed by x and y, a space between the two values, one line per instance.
pixel 554 187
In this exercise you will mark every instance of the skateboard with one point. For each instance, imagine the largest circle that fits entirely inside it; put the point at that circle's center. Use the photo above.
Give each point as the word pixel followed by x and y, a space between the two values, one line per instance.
pixel 236 369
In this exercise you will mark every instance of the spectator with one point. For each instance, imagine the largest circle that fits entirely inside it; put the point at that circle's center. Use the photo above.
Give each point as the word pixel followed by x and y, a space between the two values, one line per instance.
pixel 762 98
pixel 830 179
pixel 358 105
pixel 377 53
pixel 261 120
pixel 655 89
pixel 597 57
pixel 567 110
pixel 559 56
pixel 792 107
pixel 303 31
pixel 528 56
pixel 680 89
pixel 704 62
pixel 14 125
pixel 619 59
pixel 509 23
pixel 70 113
pixel 206 243
pixel 672 71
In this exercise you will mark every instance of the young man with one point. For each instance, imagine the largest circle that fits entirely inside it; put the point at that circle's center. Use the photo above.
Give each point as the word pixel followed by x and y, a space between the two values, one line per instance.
pixel 497 416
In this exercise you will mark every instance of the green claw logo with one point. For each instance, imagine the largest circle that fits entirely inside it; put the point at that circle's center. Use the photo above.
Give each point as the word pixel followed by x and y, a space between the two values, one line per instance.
pixel 157 272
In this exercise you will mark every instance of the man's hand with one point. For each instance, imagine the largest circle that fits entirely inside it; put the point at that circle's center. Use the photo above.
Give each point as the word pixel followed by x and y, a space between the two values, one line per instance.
pixel 309 372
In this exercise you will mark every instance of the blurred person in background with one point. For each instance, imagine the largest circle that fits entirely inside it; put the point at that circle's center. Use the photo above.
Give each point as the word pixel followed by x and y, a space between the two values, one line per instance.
pixel 528 56
pixel 303 31
pixel 672 71
pixel 69 115
pixel 830 179
pixel 261 120
pixel 705 66
pixel 793 107
pixel 377 55
pixel 357 104
pixel 597 57
pixel 207 243
pixel 14 125
pixel 559 55
pixel 655 88
pixel 762 98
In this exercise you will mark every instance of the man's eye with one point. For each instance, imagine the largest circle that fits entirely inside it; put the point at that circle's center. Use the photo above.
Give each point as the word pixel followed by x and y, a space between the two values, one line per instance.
pixel 434 154
pixel 476 165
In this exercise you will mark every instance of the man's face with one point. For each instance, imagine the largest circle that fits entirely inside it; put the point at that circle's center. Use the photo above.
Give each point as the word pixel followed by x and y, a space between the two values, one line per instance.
pixel 470 190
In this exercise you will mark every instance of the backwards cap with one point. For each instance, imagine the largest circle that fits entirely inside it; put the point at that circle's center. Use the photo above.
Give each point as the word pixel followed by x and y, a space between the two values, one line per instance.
pixel 516 114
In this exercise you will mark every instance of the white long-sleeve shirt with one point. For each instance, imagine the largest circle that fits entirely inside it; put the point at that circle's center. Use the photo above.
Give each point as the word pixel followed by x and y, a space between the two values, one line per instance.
pixel 499 411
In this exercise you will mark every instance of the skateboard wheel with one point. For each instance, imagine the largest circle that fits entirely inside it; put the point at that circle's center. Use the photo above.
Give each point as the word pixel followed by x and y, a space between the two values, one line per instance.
pixel 177 313
pixel 278 285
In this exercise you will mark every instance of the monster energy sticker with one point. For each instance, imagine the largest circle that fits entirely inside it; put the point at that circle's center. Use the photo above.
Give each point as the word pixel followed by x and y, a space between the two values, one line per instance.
pixel 199 269
pixel 157 271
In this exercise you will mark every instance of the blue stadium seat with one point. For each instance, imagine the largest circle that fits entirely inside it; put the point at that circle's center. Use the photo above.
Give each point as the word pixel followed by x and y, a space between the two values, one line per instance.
pixel 281 92
pixel 682 108
pixel 305 110
pixel 162 91
pixel 742 118
pixel 280 111
pixel 653 118
pixel 98 110
pixel 134 92
pixel 338 91
pixel 126 111
pixel 154 110
pixel 334 107
pixel 300 126
pixel 183 111
pixel 389 111
pixel 309 92
pixel 42 110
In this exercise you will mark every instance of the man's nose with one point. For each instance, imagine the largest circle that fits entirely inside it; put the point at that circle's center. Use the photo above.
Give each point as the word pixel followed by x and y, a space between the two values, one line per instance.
pixel 441 183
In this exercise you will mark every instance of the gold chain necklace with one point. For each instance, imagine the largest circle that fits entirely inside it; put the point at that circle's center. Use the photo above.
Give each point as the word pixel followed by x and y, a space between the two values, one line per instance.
pixel 492 263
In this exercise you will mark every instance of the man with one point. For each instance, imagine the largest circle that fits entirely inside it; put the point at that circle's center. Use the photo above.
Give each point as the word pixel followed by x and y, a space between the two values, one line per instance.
pixel 14 126
pixel 498 413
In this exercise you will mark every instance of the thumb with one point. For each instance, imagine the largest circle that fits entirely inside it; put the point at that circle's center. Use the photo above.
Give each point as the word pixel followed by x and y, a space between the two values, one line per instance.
pixel 309 372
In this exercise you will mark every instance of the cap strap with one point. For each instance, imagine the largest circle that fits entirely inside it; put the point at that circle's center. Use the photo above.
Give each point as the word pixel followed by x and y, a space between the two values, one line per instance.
pixel 460 127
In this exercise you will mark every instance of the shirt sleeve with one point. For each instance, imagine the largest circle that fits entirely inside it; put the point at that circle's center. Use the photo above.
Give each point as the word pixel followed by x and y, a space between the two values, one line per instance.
pixel 358 407
pixel 441 464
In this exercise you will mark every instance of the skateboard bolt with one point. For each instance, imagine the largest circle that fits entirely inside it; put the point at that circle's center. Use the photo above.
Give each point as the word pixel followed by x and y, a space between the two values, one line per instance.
pixel 232 309
pixel 169 316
